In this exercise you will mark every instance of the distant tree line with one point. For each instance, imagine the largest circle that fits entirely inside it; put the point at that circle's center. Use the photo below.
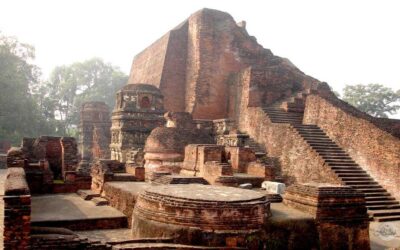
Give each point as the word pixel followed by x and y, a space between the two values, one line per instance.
pixel 30 106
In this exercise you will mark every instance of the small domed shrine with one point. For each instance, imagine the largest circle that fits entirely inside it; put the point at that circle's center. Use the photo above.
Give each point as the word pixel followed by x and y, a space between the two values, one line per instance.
pixel 138 110
pixel 165 146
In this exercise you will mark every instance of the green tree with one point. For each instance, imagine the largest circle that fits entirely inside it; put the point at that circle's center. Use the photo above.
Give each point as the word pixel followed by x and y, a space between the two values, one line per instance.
pixel 19 113
pixel 69 86
pixel 374 99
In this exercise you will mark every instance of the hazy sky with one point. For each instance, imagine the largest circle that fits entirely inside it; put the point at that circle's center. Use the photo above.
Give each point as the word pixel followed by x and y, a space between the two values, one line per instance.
pixel 340 42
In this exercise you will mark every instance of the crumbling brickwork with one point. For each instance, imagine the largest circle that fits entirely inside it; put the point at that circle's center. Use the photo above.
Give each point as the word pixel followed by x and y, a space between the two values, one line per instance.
pixel 368 143
pixel 138 110
pixel 17 210
pixel 195 66
pixel 94 131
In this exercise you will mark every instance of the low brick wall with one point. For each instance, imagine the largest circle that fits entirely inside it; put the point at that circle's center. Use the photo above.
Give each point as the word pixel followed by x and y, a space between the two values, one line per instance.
pixel 17 210
pixel 372 145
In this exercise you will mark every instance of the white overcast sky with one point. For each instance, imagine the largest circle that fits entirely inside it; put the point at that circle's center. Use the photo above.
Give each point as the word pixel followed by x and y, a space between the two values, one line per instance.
pixel 340 42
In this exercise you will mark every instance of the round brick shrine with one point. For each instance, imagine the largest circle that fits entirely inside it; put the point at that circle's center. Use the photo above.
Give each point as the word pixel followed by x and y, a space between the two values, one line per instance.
pixel 199 214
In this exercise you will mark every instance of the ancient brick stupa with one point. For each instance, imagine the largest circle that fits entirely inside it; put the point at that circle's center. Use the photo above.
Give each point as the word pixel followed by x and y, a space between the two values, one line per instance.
pixel 138 110
pixel 165 147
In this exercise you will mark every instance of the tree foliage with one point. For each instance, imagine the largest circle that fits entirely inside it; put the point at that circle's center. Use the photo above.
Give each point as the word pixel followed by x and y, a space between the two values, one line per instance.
pixel 69 86
pixel 19 113
pixel 374 99
pixel 30 107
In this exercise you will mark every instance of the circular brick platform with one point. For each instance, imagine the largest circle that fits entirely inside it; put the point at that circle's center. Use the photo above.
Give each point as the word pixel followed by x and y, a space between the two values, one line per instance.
pixel 199 212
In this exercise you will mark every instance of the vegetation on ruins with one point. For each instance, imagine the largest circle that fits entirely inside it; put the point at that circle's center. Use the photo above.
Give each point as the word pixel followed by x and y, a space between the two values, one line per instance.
pixel 374 99
pixel 30 107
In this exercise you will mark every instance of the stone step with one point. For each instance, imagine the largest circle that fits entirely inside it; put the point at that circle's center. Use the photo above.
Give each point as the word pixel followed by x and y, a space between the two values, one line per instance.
pixel 383 207
pixel 306 126
pixel 305 133
pixel 349 183
pixel 87 194
pixel 343 164
pixel 123 177
pixel 371 190
pixel 389 212
pixel 345 168
pixel 318 140
pixel 387 218
pixel 100 201
pixel 336 157
pixel 286 115
pixel 354 175
pixel 382 202
pixel 315 131
pixel 284 119
pixel 323 144
pixel 345 179
pixel 379 198
pixel 366 186
pixel 379 194
pixel 349 171
pixel 315 137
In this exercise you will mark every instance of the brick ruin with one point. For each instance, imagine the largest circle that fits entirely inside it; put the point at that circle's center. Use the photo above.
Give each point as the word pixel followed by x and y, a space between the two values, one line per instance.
pixel 94 131
pixel 138 109
pixel 208 113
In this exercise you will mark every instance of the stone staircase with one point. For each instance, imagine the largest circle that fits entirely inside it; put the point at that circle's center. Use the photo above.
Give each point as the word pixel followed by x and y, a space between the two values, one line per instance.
pixel 256 147
pixel 381 205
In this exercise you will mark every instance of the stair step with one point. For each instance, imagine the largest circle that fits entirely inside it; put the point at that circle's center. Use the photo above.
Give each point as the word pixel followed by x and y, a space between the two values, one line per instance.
pixel 383 207
pixel 314 137
pixel 387 218
pixel 335 157
pixel 379 194
pixel 379 198
pixel 382 202
pixel 354 175
pixel 343 164
pixel 371 190
pixel 334 168
pixel 367 186
pixel 349 171
pixel 100 201
pixel 345 179
pixel 349 183
pixel 339 162
pixel 388 212
pixel 87 194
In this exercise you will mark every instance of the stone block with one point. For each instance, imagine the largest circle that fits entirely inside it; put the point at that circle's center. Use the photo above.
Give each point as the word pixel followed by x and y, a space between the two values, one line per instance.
pixel 246 186
pixel 274 187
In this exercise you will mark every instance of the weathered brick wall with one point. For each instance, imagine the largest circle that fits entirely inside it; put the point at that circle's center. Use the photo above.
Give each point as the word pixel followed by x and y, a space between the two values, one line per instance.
pixel 17 210
pixel 147 66
pixel 297 161
pixel 69 155
pixel 376 150
pixel 195 66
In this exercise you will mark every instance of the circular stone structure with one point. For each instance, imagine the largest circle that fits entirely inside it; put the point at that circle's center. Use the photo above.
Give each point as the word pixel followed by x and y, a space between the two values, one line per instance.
pixel 199 214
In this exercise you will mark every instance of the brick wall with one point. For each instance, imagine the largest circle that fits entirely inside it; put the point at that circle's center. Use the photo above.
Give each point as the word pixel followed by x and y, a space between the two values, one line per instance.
pixel 17 210
pixel 376 150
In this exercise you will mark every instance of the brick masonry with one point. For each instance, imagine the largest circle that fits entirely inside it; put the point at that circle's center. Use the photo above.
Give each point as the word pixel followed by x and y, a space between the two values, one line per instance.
pixel 17 210
pixel 374 148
